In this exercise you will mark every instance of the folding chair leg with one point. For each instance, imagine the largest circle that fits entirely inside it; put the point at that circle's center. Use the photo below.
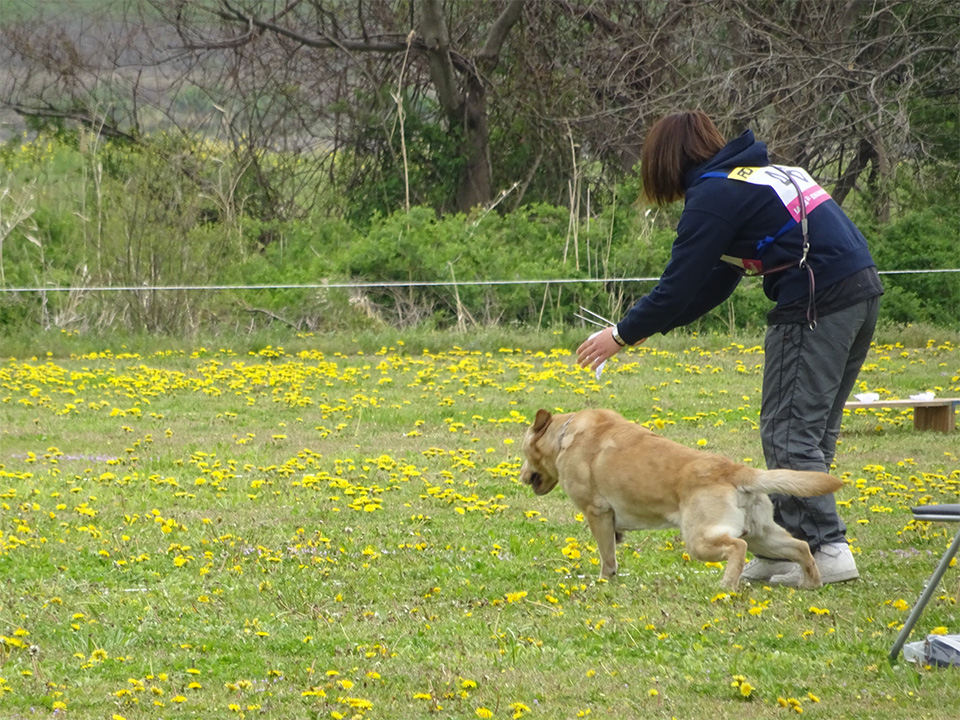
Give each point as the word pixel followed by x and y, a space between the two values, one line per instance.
pixel 925 597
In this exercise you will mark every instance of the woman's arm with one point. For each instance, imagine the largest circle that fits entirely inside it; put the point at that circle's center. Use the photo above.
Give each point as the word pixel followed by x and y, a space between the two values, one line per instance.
pixel 694 281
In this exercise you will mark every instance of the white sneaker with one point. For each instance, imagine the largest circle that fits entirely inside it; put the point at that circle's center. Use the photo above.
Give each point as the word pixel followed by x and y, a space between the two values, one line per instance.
pixel 835 562
pixel 761 569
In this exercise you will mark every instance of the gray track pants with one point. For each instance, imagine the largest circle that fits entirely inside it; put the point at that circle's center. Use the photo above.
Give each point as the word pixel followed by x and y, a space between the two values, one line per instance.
pixel 808 376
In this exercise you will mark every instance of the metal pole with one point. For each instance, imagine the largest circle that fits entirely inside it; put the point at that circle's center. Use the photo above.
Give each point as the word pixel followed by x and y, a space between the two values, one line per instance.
pixel 925 597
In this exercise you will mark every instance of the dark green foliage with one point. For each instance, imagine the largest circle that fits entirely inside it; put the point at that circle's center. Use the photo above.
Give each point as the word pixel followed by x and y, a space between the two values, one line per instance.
pixel 153 220
pixel 447 252
pixel 927 239
pixel 419 153
pixel 298 253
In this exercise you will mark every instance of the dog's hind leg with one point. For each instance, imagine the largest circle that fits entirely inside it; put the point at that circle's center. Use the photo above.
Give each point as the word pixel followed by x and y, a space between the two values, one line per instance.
pixel 764 537
pixel 601 522
pixel 778 543
pixel 715 545
pixel 711 527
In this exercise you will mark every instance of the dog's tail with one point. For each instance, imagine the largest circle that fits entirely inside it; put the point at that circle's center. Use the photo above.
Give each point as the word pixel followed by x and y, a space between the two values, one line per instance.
pixel 802 483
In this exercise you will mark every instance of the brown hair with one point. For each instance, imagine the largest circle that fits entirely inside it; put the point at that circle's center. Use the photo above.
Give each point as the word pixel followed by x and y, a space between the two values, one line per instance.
pixel 674 145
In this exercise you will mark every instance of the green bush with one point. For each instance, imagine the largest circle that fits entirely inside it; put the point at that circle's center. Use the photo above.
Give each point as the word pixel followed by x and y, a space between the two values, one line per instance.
pixel 925 239
pixel 154 215
pixel 297 253
pixel 423 156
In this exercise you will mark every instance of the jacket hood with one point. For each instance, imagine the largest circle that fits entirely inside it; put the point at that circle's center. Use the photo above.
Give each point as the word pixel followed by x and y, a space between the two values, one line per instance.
pixel 744 151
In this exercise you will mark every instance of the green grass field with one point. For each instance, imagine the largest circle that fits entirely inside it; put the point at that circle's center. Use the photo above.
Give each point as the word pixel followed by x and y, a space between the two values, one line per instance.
pixel 335 528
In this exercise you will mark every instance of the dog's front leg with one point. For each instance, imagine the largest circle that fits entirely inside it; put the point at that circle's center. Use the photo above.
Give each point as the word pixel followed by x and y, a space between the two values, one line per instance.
pixel 601 522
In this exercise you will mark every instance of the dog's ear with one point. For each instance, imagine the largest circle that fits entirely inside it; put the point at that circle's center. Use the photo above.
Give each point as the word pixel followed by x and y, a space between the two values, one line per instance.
pixel 541 421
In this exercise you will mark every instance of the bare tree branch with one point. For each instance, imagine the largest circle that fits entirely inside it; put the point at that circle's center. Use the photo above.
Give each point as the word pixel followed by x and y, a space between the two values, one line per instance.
pixel 315 78
pixel 436 40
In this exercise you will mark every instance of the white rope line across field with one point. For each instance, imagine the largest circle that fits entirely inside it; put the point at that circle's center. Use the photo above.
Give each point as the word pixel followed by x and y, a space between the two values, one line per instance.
pixel 330 286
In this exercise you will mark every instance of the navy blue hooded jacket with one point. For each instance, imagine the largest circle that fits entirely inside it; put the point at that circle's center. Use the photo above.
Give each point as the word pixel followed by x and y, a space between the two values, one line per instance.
pixel 730 217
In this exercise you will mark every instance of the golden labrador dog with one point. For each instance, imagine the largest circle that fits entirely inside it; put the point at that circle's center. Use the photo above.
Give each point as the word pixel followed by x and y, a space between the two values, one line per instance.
pixel 625 477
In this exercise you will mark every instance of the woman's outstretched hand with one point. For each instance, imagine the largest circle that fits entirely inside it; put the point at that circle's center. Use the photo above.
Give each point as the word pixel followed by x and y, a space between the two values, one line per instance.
pixel 597 349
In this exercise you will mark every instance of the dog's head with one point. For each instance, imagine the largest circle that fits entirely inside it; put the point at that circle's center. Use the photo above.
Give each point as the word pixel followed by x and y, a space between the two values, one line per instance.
pixel 539 469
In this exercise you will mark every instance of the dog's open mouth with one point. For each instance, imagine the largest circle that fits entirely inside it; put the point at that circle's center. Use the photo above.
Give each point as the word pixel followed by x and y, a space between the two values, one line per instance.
pixel 536 483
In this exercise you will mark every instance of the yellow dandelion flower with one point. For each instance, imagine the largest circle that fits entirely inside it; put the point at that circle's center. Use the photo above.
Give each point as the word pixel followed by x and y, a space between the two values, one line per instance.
pixel 518 709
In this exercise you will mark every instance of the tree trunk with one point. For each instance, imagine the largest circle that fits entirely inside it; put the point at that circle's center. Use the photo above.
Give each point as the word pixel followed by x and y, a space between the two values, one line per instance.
pixel 474 187
pixel 847 181
pixel 461 93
